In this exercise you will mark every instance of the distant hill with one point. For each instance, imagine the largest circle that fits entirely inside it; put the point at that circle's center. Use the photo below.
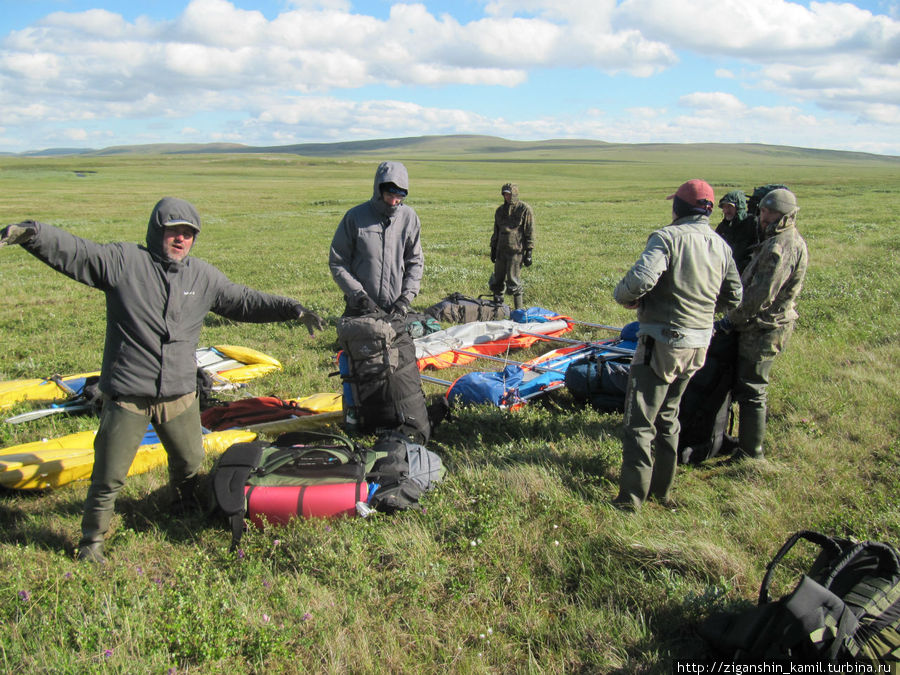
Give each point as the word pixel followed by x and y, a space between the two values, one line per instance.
pixel 478 147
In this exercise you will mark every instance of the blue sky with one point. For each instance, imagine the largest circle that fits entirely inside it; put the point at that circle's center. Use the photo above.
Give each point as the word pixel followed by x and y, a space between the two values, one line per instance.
pixel 92 74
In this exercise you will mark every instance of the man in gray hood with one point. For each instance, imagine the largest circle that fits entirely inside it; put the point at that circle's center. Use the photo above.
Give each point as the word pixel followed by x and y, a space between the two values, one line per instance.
pixel 157 297
pixel 376 254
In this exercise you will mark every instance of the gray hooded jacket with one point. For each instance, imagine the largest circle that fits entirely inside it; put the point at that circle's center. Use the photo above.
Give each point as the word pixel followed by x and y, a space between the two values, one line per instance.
pixel 154 306
pixel 377 248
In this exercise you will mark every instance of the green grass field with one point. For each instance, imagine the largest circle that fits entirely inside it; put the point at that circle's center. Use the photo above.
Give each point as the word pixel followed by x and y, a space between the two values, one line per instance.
pixel 517 564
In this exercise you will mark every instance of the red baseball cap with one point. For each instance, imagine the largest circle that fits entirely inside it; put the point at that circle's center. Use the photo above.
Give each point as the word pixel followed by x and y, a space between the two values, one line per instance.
pixel 695 192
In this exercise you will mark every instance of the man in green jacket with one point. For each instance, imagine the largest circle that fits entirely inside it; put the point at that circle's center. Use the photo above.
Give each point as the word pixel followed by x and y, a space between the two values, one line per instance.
pixel 512 244
pixel 766 316
pixel 684 276
pixel 157 297
pixel 738 228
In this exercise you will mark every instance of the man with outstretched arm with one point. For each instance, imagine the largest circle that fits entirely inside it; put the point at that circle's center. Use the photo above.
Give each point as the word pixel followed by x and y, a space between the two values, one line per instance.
pixel 157 297
pixel 684 276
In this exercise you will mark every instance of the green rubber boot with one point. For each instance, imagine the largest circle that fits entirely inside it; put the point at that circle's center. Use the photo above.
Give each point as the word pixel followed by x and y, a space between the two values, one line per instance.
pixel 752 432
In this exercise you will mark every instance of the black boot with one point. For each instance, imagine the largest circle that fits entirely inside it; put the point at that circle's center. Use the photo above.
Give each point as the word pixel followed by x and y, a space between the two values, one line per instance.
pixel 91 551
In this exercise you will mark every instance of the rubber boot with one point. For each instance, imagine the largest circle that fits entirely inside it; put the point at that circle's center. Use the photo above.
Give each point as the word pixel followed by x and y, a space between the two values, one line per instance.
pixel 752 432
pixel 186 500
pixel 517 301
pixel 92 552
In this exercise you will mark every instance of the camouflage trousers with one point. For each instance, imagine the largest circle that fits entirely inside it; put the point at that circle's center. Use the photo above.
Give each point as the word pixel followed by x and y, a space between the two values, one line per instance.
pixel 507 269
pixel 756 354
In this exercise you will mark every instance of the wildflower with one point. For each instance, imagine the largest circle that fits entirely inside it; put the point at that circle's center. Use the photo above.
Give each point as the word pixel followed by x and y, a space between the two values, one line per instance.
pixel 306 617
pixel 107 653
pixel 276 543
pixel 172 671
pixel 240 554
pixel 266 618
pixel 481 636
pixel 556 542
pixel 473 543
pixel 24 596
pixel 139 569
pixel 68 575
pixel 266 583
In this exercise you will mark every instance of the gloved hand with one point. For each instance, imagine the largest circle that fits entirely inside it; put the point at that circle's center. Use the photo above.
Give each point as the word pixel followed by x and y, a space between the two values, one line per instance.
pixel 19 233
pixel 723 326
pixel 311 320
pixel 493 254
pixel 400 309
pixel 363 304
pixel 526 259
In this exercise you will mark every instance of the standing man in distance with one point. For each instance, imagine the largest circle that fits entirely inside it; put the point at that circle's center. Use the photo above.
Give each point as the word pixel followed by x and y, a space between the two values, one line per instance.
pixel 683 277
pixel 766 316
pixel 157 297
pixel 376 254
pixel 512 244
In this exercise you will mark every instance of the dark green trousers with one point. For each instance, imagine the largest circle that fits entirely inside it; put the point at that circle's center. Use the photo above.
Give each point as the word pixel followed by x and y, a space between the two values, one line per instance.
pixel 650 440
pixel 118 438
pixel 750 394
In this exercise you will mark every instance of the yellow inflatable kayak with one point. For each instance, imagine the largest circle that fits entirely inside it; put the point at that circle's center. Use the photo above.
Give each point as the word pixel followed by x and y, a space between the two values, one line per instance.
pixel 227 364
pixel 56 462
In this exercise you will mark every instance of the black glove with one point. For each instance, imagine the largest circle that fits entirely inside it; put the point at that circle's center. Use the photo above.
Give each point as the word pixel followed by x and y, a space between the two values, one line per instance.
pixel 400 309
pixel 311 320
pixel 19 233
pixel 723 326
pixel 526 259
pixel 362 303
pixel 493 254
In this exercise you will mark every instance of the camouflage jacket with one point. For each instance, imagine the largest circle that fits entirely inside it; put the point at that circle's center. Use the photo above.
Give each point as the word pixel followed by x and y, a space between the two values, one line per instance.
pixel 772 280
pixel 513 227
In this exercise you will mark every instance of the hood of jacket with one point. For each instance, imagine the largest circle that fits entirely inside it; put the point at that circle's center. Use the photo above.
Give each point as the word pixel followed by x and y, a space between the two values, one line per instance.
pixel 786 222
pixel 739 199
pixel 389 172
pixel 514 192
pixel 169 211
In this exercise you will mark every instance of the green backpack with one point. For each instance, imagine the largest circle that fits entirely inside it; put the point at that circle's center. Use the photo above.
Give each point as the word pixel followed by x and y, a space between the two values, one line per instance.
pixel 846 608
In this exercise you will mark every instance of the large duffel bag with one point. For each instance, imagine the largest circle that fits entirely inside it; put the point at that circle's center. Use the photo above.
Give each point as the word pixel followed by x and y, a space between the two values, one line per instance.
pixel 459 308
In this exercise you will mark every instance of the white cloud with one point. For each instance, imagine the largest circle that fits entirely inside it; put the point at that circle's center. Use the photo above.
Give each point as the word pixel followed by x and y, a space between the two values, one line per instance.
pixel 284 76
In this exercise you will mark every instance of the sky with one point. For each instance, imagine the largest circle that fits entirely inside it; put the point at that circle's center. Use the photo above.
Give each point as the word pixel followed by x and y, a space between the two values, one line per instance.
pixel 95 73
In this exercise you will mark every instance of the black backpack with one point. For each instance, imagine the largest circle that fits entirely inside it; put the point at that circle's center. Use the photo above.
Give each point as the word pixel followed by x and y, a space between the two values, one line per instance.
pixel 403 472
pixel 382 385
pixel 705 413
pixel 846 608
pixel 459 308
pixel 602 382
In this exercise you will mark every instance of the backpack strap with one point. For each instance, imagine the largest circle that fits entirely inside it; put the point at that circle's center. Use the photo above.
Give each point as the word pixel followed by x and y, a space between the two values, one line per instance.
pixel 887 557
pixel 232 470
pixel 824 541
